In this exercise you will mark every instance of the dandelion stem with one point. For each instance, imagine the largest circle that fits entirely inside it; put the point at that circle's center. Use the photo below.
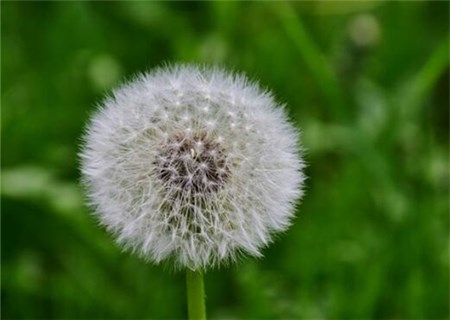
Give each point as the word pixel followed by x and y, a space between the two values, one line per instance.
pixel 195 295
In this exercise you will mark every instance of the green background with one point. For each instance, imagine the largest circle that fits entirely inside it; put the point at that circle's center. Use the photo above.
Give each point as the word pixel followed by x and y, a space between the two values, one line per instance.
pixel 367 83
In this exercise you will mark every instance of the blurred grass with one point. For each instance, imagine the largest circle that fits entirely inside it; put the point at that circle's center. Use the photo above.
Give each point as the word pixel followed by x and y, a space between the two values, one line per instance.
pixel 366 81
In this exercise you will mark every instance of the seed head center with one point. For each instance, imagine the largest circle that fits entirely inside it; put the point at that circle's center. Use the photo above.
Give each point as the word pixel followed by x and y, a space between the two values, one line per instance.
pixel 192 164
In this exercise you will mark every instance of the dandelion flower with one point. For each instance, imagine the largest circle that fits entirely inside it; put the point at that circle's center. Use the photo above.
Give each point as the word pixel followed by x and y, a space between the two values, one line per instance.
pixel 192 164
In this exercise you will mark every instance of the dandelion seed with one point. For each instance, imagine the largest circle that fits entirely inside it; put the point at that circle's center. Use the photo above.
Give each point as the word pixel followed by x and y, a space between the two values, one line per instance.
pixel 193 164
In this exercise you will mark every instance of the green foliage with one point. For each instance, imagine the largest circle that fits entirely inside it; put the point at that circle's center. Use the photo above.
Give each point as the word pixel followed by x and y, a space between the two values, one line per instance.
pixel 366 81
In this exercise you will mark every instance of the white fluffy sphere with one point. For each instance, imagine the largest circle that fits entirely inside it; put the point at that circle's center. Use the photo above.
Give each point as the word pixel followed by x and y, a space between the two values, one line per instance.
pixel 192 164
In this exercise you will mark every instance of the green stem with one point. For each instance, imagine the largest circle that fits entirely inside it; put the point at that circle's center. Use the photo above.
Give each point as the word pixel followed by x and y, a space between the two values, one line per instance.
pixel 195 295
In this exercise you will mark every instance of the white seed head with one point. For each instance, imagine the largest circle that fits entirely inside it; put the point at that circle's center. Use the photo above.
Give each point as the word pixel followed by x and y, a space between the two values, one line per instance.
pixel 192 164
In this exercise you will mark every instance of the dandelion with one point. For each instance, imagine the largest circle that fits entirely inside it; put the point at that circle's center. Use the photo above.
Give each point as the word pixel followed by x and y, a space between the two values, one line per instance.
pixel 192 164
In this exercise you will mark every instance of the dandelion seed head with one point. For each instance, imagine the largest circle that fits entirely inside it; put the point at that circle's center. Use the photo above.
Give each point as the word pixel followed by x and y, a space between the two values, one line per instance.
pixel 192 164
